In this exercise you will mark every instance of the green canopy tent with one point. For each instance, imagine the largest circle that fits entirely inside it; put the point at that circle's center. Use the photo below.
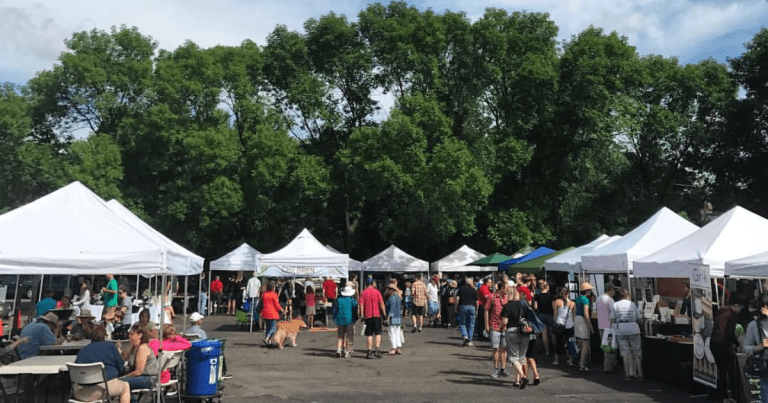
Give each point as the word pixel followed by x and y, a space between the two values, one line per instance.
pixel 490 260
pixel 535 265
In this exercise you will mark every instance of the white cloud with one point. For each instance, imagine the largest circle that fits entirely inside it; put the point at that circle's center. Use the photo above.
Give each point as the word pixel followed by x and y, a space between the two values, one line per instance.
pixel 32 31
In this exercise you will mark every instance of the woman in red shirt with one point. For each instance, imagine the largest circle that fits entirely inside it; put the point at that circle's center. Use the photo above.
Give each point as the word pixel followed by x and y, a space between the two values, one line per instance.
pixel 271 311
pixel 310 295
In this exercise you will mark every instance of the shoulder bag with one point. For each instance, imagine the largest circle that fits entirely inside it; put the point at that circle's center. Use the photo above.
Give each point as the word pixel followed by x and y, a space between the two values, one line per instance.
pixel 757 364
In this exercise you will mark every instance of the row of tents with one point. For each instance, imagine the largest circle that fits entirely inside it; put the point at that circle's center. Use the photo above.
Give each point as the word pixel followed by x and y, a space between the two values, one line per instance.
pixel 73 231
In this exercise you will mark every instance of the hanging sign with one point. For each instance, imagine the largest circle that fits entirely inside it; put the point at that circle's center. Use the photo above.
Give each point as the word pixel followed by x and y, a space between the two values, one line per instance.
pixel 704 367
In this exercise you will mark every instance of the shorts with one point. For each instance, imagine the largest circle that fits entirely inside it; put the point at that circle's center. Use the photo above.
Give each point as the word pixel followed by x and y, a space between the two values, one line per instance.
pixel 581 330
pixel 310 310
pixel 546 319
pixel 373 326
pixel 434 308
pixel 348 331
pixel 517 345
pixel 531 351
pixel 417 310
pixel 498 340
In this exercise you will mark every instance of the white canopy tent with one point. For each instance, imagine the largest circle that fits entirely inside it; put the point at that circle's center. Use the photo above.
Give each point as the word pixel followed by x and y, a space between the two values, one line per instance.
pixel 395 260
pixel 305 256
pixel 73 231
pixel 662 229
pixel 242 258
pixel 571 261
pixel 193 262
pixel 354 265
pixel 457 262
pixel 736 234
pixel 752 266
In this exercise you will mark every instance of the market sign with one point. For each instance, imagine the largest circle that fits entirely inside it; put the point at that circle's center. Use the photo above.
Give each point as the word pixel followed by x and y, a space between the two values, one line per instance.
pixel 704 367
pixel 300 271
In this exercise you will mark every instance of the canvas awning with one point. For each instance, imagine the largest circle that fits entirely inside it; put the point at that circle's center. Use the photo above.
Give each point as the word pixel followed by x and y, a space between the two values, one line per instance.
pixel 354 265
pixel 662 229
pixel 571 261
pixel 736 234
pixel 305 256
pixel 459 261
pixel 73 231
pixel 242 258
pixel 540 251
pixel 393 259
pixel 536 264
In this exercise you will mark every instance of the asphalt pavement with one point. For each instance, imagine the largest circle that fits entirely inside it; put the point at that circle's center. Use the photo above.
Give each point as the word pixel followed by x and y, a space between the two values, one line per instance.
pixel 433 368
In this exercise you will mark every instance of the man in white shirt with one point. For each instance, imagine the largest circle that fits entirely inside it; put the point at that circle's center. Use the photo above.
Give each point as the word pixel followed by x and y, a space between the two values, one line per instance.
pixel 604 306
pixel 253 292
pixel 433 302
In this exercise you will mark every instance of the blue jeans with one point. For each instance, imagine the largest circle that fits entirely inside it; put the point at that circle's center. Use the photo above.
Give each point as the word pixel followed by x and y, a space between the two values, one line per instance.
pixel 203 303
pixel 764 390
pixel 467 321
pixel 271 327
pixel 137 382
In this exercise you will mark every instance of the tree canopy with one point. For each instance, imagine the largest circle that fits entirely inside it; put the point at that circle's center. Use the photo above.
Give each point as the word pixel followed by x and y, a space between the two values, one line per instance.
pixel 398 126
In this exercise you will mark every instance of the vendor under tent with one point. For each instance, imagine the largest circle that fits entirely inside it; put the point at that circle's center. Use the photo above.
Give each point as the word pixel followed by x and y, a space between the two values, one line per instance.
pixel 570 261
pixel 73 231
pixel 535 265
pixel 305 256
pixel 736 234
pixel 243 259
pixel 662 229
pixel 194 262
pixel 538 252
pixel 394 260
pixel 459 261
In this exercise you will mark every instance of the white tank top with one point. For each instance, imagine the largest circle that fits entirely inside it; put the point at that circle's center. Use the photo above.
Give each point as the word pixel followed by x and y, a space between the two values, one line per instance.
pixel 563 317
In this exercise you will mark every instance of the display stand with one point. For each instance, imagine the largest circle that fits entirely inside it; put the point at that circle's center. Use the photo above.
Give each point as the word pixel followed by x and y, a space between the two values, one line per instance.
pixel 749 385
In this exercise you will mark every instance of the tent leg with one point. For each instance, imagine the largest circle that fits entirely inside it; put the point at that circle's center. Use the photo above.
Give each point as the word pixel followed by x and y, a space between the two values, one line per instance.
pixel 42 283
pixel 210 300
pixel 186 301
pixel 16 296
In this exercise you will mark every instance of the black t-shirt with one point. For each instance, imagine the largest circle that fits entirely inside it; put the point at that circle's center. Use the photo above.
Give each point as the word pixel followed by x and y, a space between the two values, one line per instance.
pixel 467 295
pixel 512 311
pixel 544 302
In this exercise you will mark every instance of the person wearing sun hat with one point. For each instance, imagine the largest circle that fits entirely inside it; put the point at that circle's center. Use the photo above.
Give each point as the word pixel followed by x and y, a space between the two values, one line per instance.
pixel 46 331
pixel 84 326
pixel 196 319
pixel 343 317
pixel 583 325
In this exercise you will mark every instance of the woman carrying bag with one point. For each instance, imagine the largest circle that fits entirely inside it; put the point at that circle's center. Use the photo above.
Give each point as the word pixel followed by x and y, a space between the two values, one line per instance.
pixel 563 327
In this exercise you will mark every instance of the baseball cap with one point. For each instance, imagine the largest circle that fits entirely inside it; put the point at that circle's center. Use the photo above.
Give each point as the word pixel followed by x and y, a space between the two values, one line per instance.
pixel 195 317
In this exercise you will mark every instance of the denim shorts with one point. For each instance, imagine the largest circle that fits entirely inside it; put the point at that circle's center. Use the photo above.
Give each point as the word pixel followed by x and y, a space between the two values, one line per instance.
pixel 434 308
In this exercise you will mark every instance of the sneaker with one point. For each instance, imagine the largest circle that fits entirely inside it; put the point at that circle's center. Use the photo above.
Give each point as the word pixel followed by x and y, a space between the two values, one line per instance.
pixel 226 376
pixel 466 341
pixel 495 373
pixel 338 353
pixel 470 344
pixel 419 330
pixel 503 373
pixel 347 354
pixel 524 383
pixel 556 362
pixel 368 355
pixel 570 363
pixel 377 354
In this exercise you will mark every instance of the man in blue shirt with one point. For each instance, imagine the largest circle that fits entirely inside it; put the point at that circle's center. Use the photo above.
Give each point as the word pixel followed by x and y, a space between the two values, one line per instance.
pixel 107 353
pixel 45 304
pixel 45 332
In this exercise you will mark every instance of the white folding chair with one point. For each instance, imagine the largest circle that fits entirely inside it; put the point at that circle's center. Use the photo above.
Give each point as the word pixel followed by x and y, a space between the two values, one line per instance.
pixel 169 360
pixel 86 375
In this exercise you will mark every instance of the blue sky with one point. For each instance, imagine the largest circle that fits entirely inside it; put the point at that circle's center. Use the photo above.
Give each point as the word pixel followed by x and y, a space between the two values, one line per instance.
pixel 32 32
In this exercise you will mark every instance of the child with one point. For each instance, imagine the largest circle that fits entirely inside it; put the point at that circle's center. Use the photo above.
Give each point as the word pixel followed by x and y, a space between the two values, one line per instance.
pixel 407 299
pixel 310 295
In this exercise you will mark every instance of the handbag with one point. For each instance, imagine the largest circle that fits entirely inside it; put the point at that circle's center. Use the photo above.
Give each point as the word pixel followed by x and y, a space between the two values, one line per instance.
pixel 533 319
pixel 525 327
pixel 573 348
pixel 757 364
pixel 608 344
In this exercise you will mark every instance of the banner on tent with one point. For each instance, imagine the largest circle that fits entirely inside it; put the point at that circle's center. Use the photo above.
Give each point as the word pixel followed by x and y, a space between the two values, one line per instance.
pixel 301 271
pixel 704 367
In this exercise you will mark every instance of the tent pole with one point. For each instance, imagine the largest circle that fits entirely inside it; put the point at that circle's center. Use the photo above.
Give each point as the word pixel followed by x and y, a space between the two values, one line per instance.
pixel 199 291
pixel 138 280
pixel 210 294
pixel 162 323
pixel 16 296
pixel 42 282
pixel 186 301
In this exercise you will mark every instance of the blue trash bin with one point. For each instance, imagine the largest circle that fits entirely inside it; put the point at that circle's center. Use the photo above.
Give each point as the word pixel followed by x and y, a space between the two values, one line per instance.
pixel 203 367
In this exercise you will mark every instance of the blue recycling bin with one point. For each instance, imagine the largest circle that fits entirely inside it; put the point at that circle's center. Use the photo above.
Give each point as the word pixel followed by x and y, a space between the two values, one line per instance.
pixel 203 367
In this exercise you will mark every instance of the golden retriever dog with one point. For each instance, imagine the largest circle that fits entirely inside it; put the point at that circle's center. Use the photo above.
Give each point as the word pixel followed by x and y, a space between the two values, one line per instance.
pixel 287 329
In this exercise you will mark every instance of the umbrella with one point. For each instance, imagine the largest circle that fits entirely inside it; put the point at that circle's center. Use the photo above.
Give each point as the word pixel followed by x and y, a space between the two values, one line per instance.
pixel 490 260
pixel 536 264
